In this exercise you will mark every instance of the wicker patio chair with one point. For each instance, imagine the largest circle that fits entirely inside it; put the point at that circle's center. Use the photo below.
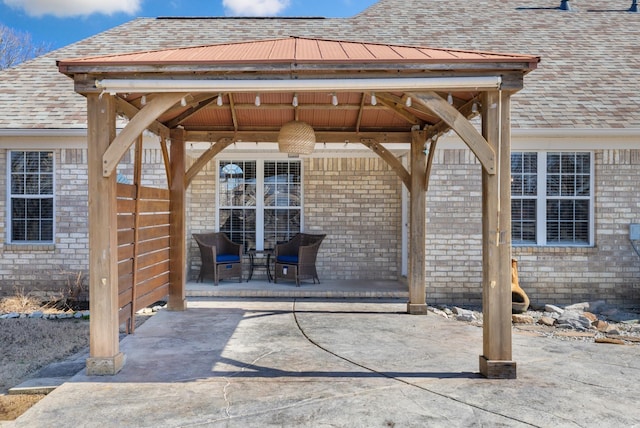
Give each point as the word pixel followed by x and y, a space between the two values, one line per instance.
pixel 220 256
pixel 296 259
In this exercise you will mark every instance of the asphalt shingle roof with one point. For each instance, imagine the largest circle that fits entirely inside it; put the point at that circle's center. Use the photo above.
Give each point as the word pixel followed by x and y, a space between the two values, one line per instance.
pixel 589 76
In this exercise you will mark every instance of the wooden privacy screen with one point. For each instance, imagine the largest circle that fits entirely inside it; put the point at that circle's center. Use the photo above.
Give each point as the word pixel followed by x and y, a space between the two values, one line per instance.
pixel 143 249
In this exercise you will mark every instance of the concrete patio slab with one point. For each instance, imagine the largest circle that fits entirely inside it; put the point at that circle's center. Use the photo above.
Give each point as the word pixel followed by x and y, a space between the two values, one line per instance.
pixel 292 363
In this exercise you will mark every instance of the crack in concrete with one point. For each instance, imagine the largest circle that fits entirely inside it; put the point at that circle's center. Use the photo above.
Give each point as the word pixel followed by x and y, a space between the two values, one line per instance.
pixel 225 396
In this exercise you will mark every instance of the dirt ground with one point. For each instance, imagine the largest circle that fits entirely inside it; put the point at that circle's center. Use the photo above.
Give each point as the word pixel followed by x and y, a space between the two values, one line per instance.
pixel 28 344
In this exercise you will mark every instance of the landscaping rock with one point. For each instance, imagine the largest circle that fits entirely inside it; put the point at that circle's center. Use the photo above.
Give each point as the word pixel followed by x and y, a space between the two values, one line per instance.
pixel 553 309
pixel 595 307
pixel 601 325
pixel 521 319
pixel 549 321
pixel 36 314
pixel 573 320
pixel 10 315
pixel 609 340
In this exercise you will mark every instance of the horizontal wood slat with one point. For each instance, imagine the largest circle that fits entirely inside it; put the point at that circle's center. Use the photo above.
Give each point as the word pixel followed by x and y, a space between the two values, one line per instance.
pixel 150 214
pixel 144 247
pixel 155 270
pixel 157 294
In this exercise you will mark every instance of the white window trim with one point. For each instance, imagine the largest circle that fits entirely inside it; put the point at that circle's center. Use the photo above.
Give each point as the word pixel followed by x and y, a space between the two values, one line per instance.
pixel 9 195
pixel 260 208
pixel 541 198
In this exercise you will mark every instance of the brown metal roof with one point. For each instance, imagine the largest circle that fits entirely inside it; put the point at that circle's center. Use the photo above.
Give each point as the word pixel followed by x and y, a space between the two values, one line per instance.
pixel 294 58
pixel 300 50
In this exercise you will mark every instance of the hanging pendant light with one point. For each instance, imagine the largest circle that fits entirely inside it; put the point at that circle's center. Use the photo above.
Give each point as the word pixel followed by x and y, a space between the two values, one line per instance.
pixel 296 137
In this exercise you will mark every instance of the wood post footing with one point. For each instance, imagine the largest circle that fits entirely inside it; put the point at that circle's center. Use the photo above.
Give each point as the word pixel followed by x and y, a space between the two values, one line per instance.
pixel 177 304
pixel 417 309
pixel 103 366
pixel 497 369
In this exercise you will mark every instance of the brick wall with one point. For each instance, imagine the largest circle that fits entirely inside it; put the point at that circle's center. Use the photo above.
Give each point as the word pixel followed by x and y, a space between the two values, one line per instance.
pixel 50 268
pixel 610 270
pixel 357 203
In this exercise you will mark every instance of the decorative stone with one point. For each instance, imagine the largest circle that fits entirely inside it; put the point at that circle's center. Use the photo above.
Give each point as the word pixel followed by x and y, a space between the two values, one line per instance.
pixel 577 307
pixel 553 309
pixel 601 325
pixel 439 312
pixel 612 330
pixel 521 319
pixel 549 321
pixel 36 314
pixel 573 320
pixel 609 340
pixel 10 315
pixel 466 317
pixel 77 315
pixel 466 314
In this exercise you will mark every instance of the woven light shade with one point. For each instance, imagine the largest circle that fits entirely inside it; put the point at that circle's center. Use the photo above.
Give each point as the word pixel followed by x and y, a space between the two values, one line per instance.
pixel 296 137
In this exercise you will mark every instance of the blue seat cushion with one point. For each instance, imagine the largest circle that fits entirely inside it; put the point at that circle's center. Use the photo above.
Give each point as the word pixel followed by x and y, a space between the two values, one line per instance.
pixel 225 258
pixel 288 259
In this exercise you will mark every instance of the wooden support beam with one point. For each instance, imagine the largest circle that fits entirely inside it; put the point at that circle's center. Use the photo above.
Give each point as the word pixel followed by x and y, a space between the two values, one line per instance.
pixel 432 153
pixel 165 157
pixel 129 110
pixel 466 110
pixel 202 101
pixel 452 117
pixel 390 159
pixel 417 227
pixel 105 357
pixel 360 112
pixel 393 102
pixel 216 148
pixel 177 228
pixel 234 112
pixel 496 361
pixel 134 128
pixel 381 137
pixel 137 182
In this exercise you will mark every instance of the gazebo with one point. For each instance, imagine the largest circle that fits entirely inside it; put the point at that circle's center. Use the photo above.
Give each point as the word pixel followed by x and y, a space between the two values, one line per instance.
pixel 372 94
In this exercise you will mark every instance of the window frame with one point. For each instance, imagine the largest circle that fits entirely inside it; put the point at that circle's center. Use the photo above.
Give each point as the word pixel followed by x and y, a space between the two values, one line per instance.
pixel 542 199
pixel 260 206
pixel 10 196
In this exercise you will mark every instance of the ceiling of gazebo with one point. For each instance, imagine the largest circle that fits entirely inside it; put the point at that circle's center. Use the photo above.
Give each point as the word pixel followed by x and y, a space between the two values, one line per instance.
pixel 356 110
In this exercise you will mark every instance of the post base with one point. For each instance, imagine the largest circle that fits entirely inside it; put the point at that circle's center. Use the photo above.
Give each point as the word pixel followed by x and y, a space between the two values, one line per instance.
pixel 105 366
pixel 497 369
pixel 177 304
pixel 417 309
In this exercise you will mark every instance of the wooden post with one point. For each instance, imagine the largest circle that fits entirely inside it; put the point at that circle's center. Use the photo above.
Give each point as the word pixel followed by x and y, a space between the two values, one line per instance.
pixel 177 228
pixel 104 356
pixel 496 361
pixel 417 232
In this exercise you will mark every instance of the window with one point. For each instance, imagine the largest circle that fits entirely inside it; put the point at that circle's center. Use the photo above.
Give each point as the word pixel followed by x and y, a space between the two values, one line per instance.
pixel 260 202
pixel 31 196
pixel 551 198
